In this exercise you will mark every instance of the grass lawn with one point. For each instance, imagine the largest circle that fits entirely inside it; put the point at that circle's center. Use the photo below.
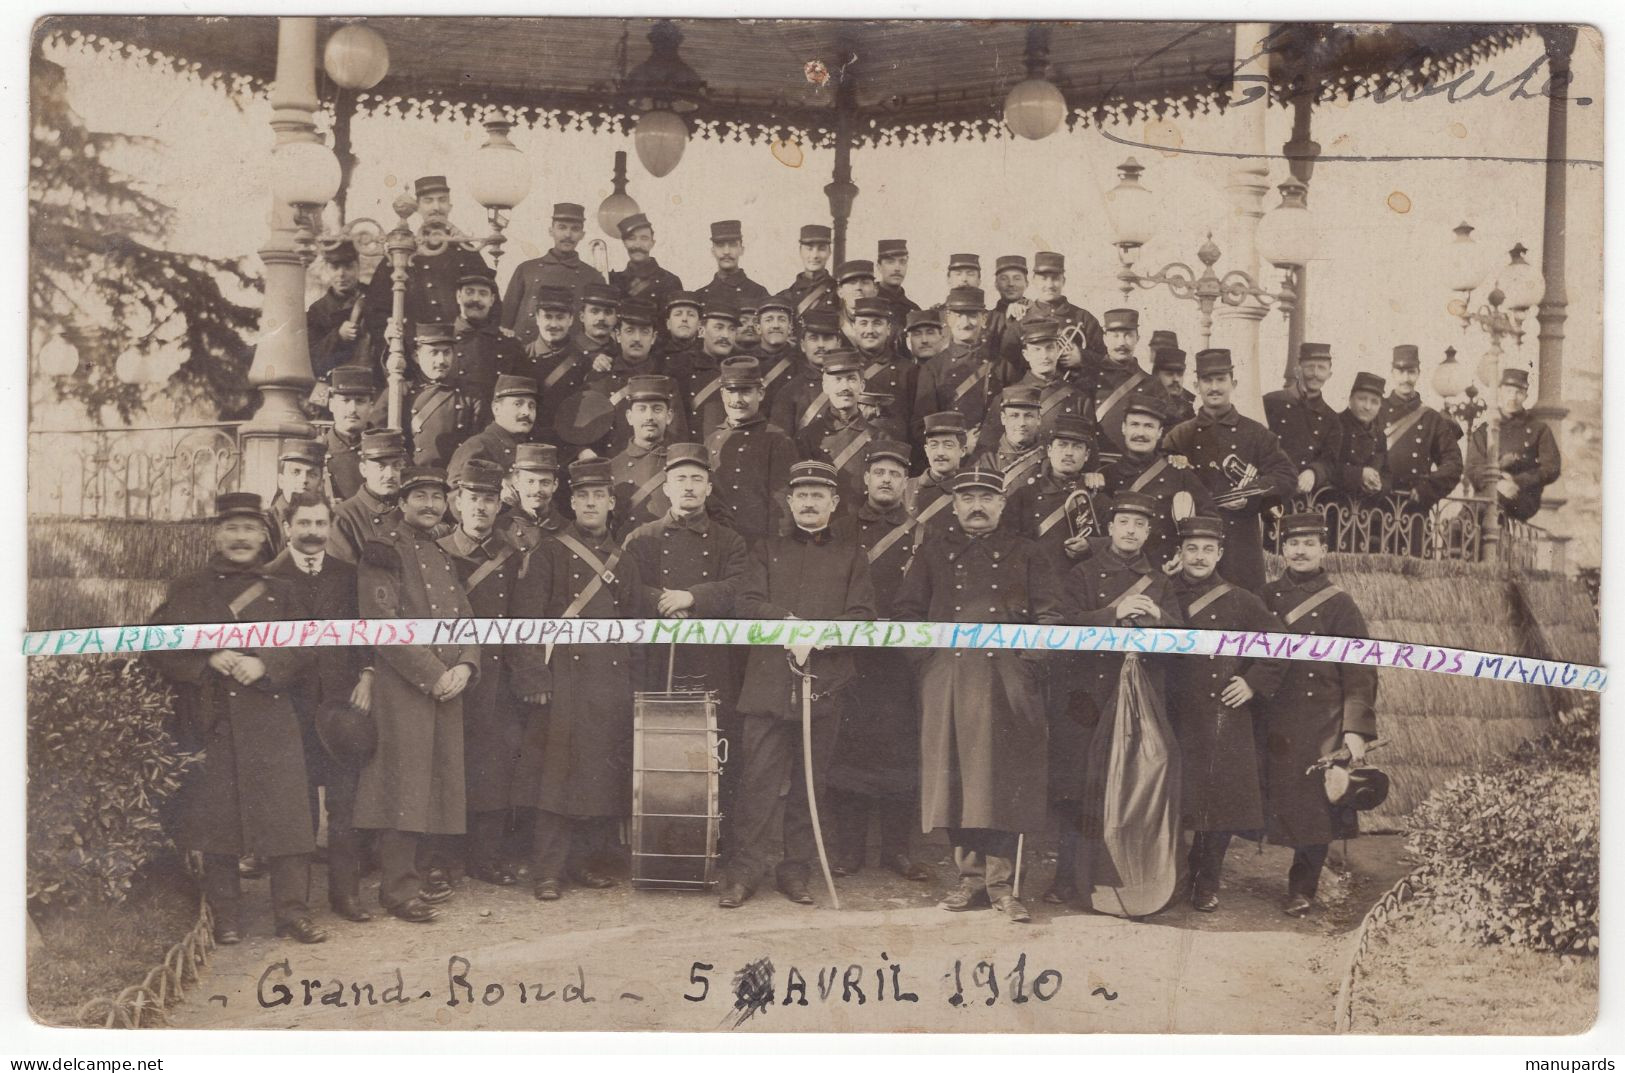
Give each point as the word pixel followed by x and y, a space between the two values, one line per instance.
pixel 1417 980
pixel 100 950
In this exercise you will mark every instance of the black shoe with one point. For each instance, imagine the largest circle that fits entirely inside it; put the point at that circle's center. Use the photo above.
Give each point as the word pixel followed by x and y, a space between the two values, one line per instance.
pixel 436 879
pixel 1298 905
pixel 226 936
pixel 350 909
pixel 967 896
pixel 795 889
pixel 1011 907
pixel 594 880
pixel 909 869
pixel 840 870
pixel 251 867
pixel 495 874
pixel 547 890
pixel 435 895
pixel 1060 894
pixel 303 929
pixel 415 911
pixel 1205 901
pixel 732 896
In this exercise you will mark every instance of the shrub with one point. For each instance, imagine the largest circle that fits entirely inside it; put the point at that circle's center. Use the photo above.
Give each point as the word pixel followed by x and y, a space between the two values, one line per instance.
pixel 100 764
pixel 1514 848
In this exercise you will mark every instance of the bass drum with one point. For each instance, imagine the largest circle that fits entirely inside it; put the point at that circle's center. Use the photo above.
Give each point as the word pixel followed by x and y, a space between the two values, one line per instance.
pixel 677 759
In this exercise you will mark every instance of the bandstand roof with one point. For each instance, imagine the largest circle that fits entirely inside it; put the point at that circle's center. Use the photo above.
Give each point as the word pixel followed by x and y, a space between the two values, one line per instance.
pixel 915 80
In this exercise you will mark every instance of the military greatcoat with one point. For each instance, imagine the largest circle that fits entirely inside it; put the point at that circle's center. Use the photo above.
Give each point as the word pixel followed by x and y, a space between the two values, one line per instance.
pixel 1424 451
pixel 1220 784
pixel 1309 431
pixel 414 781
pixel 249 794
pixel 1315 705
pixel 575 758
pixel 1157 476
pixel 983 737
pixel 750 467
pixel 554 268
pixel 1528 451
pixel 960 378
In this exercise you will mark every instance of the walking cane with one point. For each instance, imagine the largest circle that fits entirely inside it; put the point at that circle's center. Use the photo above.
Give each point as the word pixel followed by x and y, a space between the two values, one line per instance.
pixel 807 770
pixel 1021 844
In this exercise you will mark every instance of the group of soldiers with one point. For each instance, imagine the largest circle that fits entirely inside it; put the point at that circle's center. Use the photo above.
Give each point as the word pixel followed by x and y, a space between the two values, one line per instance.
pixel 628 448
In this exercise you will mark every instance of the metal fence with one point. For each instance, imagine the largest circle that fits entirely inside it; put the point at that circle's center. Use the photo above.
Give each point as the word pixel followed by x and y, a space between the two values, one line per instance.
pixel 155 474
pixel 1453 528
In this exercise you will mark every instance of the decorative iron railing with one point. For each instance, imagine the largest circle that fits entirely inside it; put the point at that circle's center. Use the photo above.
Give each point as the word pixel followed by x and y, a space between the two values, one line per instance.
pixel 1453 528
pixel 155 474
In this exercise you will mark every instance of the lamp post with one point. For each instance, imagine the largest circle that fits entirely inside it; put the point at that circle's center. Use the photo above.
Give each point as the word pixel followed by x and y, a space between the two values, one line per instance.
pixel 662 89
pixel 1286 237
pixel 1517 286
pixel 619 204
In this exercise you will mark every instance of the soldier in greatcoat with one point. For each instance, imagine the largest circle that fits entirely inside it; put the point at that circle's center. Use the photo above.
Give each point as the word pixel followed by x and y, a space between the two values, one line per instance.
pixel 964 376
pixel 1240 462
pixel 1168 366
pixel 808 574
pixel 575 757
pixel 532 516
pixel 633 360
pixel 813 288
pixel 1010 279
pixel 480 348
pixel 298 469
pixel 513 417
pixel 730 286
pixel 1305 423
pixel 374 510
pixel 487 564
pixel 1056 394
pixel 444 411
pixel 333 322
pixel 983 740
pixel 326 586
pixel 887 368
pixel 431 274
pixel 1424 446
pixel 1113 585
pixel 876 770
pixel 412 788
pixel 928 496
pixel 801 396
pixel 1528 457
pixel 249 795
pixel 692 566
pixel 643 278
pixel 891 269
pixel 559 269
pixel 840 434
pixel 1119 379
pixel 1057 511
pixel 1318 709
pixel 1362 472
pixel 1210 701
pixel 776 352
pixel 1145 467
pixel 697 372
pixel 351 392
pixel 639 469
pixel 750 458
pixel 1018 452
pixel 1079 360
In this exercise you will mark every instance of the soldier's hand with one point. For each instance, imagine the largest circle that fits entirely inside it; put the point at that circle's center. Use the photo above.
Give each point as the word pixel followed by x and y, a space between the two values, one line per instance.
pixel 348 332
pixel 1371 479
pixel 1506 487
pixel 1306 482
pixel 1139 606
pixel 603 363
pixel 453 682
pixel 674 600
pixel 1094 481
pixel 1071 356
pixel 248 670
pixel 538 699
pixel 225 660
pixel 361 695
pixel 1236 693
pixel 1076 547
pixel 392 331
pixel 1172 566
pixel 1356 746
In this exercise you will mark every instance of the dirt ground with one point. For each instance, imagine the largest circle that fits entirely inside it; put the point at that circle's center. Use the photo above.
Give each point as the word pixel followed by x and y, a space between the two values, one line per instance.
pixel 887 960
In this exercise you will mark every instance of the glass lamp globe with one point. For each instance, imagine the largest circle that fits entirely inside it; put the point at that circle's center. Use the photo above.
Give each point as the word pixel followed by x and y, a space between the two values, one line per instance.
pixel 1467 268
pixel 304 173
pixel 660 139
pixel 1287 234
pixel 501 177
pixel 1034 108
pixel 1451 378
pixel 1521 282
pixel 615 208
pixel 1130 207
pixel 356 57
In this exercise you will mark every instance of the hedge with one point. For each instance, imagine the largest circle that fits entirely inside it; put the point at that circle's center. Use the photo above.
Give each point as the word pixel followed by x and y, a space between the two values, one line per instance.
pixel 100 766
pixel 1514 848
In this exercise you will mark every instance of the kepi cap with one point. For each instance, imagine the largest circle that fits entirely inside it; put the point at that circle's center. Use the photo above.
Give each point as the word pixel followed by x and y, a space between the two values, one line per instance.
pixel 381 443
pixel 1070 427
pixel 891 247
pixel 843 361
pixel 434 334
pixel 431 184
pixel 1311 351
pixel 536 457
pixel 1048 262
pixel 310 452
pixel 727 231
pixel 897 452
pixel 967 300
pixel 1020 395
pixel 854 270
pixel 1009 261
pixel 1201 525
pixel 1039 330
pixel 590 473
pixel 741 370
pixel 558 299
pixel 355 380
pixel 565 210
pixel 816 235
pixel 1311 523
pixel 1213 360
pixel 964 260
pixel 979 479
pixel 631 223
pixel 1369 382
pixel 948 421
pixel 924 318
pixel 1132 502
pixel 423 477
pixel 813 471
pixel 238 505
pixel 1407 356
pixel 649 388
pixel 1120 320
pixel 480 475
pixel 688 454
pixel 508 384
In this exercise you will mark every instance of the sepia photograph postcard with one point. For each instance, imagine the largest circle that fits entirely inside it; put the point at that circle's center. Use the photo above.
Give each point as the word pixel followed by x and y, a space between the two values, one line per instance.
pixel 886 525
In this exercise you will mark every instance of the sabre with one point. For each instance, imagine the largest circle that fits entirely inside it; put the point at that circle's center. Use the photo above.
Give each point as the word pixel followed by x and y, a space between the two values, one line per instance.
pixel 807 771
